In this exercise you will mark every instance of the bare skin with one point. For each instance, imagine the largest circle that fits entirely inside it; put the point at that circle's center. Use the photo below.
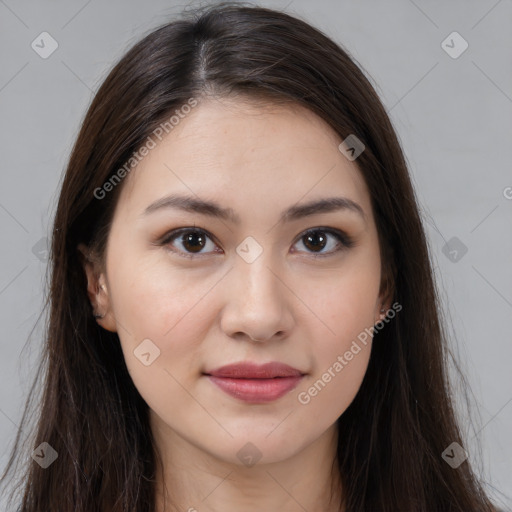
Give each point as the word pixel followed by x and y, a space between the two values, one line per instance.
pixel 216 308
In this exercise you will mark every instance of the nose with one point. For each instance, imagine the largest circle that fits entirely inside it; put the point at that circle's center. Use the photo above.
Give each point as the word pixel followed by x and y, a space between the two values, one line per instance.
pixel 257 301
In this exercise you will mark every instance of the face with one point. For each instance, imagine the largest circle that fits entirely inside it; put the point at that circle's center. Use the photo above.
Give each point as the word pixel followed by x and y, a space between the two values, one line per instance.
pixel 188 291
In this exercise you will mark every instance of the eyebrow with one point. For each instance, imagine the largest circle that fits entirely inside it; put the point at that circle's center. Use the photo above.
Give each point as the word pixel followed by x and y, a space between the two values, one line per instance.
pixel 295 212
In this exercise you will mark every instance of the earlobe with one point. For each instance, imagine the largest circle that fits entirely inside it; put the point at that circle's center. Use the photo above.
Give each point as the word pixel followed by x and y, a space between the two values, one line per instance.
pixel 379 315
pixel 383 306
pixel 107 321
pixel 97 289
pixel 92 274
pixel 385 296
pixel 383 312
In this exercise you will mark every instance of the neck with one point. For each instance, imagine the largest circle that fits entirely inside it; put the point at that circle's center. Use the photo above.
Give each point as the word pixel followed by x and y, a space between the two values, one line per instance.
pixel 196 481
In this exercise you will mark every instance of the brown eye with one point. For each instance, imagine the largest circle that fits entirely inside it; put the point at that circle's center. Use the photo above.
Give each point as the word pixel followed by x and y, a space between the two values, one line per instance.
pixel 316 240
pixel 319 242
pixel 190 241
pixel 193 241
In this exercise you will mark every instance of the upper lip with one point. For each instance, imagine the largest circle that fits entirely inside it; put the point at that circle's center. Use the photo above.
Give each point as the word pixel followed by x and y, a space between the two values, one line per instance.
pixel 255 371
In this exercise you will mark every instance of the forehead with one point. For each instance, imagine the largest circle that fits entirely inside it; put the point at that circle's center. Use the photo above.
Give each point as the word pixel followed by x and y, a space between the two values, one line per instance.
pixel 251 153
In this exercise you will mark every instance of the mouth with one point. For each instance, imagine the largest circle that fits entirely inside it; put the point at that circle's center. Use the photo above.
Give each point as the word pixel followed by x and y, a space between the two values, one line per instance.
pixel 254 383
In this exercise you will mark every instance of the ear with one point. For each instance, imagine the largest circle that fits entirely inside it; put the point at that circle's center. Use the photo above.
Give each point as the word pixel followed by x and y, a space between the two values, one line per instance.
pixel 97 288
pixel 385 299
pixel 381 309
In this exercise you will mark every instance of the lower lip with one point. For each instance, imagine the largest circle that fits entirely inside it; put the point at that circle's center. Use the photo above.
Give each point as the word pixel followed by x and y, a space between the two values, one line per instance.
pixel 256 390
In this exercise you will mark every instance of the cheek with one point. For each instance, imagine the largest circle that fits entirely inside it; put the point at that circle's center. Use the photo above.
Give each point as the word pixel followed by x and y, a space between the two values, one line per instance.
pixel 175 322
pixel 344 305
pixel 327 395
pixel 159 301
pixel 341 338
pixel 165 315
pixel 340 357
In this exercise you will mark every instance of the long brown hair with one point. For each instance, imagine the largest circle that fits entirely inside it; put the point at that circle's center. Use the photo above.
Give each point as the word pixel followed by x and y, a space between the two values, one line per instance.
pixel 392 435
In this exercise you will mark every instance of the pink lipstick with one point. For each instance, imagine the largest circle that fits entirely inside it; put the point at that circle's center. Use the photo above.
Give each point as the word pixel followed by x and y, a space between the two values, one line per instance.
pixel 256 383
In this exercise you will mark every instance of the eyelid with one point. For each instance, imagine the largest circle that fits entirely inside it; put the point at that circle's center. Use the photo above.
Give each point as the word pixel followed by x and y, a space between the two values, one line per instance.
pixel 175 233
pixel 344 240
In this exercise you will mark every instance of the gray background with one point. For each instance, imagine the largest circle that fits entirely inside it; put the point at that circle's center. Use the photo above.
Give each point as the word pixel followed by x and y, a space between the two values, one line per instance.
pixel 453 117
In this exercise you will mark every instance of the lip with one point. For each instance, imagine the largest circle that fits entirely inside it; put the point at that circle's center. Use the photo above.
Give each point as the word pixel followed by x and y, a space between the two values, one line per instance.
pixel 255 371
pixel 256 383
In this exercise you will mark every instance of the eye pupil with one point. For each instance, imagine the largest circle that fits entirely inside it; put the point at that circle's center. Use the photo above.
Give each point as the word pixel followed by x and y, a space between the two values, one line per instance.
pixel 193 241
pixel 192 238
pixel 313 239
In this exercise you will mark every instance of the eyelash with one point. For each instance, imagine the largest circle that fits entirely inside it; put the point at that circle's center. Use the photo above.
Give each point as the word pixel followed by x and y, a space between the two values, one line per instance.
pixel 344 241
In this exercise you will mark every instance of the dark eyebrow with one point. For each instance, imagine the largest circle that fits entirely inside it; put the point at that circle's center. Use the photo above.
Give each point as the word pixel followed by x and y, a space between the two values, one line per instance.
pixel 212 209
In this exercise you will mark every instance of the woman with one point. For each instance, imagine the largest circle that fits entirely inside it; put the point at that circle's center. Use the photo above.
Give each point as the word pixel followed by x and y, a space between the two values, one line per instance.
pixel 242 309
